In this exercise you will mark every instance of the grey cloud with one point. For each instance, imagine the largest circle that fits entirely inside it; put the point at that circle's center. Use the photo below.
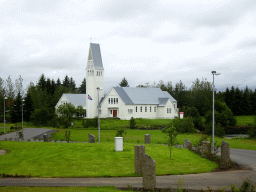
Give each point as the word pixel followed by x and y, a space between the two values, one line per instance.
pixel 249 43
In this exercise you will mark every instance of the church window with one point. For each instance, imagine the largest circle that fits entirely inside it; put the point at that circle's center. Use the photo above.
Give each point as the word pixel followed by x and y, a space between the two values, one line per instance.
pixel 155 109
pixel 108 100
pixel 140 108
pixel 110 111
pixel 101 73
pixel 130 111
pixel 169 110
pixel 97 74
pixel 111 100
pixel 174 106
pixel 92 72
pixel 116 100
pixel 136 108
pixel 145 109
pixel 150 108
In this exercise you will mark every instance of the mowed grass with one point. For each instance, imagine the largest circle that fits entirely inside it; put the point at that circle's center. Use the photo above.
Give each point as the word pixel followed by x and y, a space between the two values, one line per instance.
pixel 157 137
pixel 244 120
pixel 62 189
pixel 93 160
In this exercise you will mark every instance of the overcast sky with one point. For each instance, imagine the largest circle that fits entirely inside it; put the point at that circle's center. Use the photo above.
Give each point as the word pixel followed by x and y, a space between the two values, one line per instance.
pixel 141 40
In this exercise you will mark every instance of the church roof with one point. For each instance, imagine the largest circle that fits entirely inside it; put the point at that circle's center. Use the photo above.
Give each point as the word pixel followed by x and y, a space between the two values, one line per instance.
pixel 144 96
pixel 76 99
pixel 96 55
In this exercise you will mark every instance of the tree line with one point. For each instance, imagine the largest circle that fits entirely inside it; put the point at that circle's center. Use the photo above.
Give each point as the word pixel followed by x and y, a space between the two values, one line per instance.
pixel 43 95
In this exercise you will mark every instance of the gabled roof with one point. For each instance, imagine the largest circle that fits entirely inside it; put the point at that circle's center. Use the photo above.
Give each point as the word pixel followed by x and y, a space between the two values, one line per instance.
pixel 96 55
pixel 76 99
pixel 146 96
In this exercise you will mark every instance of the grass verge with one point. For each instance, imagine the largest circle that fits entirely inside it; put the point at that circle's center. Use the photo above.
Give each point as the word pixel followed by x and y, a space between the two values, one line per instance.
pixel 93 160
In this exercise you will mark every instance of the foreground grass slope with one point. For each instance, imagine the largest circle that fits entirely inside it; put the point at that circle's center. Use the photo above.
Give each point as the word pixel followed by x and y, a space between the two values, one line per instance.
pixel 93 160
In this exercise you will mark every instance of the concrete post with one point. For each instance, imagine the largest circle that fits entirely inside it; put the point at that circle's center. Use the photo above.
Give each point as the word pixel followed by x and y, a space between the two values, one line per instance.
pixel 139 150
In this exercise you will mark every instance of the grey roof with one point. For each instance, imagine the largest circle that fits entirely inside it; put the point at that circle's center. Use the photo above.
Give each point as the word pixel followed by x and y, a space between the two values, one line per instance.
pixel 96 56
pixel 145 96
pixel 76 99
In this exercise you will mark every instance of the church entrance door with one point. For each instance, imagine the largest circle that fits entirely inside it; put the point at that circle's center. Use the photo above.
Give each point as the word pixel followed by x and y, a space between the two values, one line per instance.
pixel 114 113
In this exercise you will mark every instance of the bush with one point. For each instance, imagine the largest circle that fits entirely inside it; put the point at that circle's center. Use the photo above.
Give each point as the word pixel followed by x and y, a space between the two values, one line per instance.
pixel 42 116
pixel 184 125
pixel 90 122
pixel 133 123
pixel 218 130
pixel 252 131
pixel 64 122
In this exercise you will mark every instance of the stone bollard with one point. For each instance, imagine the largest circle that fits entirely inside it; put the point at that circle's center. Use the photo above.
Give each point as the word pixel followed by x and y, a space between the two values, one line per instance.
pixel 139 150
pixel 147 139
pixel 91 138
pixel 45 138
pixel 206 148
pixel 187 144
pixel 149 172
pixel 225 155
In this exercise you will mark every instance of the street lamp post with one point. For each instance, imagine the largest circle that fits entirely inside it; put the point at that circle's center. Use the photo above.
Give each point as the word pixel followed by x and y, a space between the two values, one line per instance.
pixel 4 113
pixel 22 110
pixel 213 73
pixel 99 88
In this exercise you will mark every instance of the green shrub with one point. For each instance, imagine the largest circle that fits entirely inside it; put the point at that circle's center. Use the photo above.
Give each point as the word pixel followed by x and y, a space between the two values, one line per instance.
pixel 121 133
pixel 184 125
pixel 218 130
pixel 90 122
pixel 41 116
pixel 64 122
pixel 252 131
pixel 133 123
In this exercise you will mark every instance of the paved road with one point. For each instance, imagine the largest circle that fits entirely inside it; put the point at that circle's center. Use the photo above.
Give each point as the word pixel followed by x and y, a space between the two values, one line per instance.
pixel 214 180
pixel 29 133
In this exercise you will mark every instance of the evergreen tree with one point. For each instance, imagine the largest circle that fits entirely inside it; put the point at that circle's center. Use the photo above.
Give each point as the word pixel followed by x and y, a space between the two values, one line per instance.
pixel 227 97
pixel 66 82
pixel 124 83
pixel 238 102
pixel 42 82
pixel 28 108
pixel 58 83
pixel 53 87
pixel 16 110
pixel 232 104
pixel 246 104
pixel 19 86
pixel 48 86
pixel 82 88
pixel 72 85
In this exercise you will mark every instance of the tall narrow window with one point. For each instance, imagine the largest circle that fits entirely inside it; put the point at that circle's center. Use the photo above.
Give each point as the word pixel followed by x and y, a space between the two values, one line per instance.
pixel 140 108
pixel 108 100
pixel 136 108
pixel 111 100
pixel 155 109
pixel 116 100
pixel 174 106
pixel 150 108
pixel 145 109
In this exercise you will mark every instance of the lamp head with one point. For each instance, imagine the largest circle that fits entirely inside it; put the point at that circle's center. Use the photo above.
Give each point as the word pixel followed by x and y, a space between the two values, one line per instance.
pixel 99 88
pixel 5 98
pixel 215 73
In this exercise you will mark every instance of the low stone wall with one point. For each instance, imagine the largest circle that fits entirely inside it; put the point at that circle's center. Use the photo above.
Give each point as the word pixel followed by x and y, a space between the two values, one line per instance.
pixel 187 144
pixel 206 148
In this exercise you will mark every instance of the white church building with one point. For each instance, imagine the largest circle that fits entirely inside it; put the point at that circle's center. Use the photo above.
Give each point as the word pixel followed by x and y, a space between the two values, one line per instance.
pixel 120 102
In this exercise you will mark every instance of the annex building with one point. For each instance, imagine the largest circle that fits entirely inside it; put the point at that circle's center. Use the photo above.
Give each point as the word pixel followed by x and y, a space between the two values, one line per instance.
pixel 120 102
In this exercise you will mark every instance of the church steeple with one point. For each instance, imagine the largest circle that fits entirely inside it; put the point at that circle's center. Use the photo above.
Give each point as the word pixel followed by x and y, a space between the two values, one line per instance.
pixel 94 79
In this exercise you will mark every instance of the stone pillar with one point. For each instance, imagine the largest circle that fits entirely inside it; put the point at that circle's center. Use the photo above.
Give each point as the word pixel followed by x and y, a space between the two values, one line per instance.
pixel 149 172
pixel 225 155
pixel 206 148
pixel 139 150
pixel 147 139
pixel 187 144
pixel 45 138
pixel 91 138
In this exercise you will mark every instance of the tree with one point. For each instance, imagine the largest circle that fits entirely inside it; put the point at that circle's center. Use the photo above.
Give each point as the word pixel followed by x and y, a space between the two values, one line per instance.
pixel 80 111
pixel 66 82
pixel 42 82
pixel 28 108
pixel 67 110
pixel 172 134
pixel 124 83
pixel 72 85
pixel 16 110
pixel 9 89
pixel 58 83
pixel 42 116
pixel 82 88
pixel 19 86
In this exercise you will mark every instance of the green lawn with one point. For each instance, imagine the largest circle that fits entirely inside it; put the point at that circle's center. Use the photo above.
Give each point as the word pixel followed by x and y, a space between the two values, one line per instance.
pixel 93 160
pixel 62 189
pixel 244 120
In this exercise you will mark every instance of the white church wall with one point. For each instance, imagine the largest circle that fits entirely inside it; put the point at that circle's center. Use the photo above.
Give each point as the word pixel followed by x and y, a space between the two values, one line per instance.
pixel 143 111
pixel 62 101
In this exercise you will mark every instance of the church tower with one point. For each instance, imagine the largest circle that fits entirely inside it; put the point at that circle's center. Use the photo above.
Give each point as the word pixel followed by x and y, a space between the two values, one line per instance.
pixel 94 79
